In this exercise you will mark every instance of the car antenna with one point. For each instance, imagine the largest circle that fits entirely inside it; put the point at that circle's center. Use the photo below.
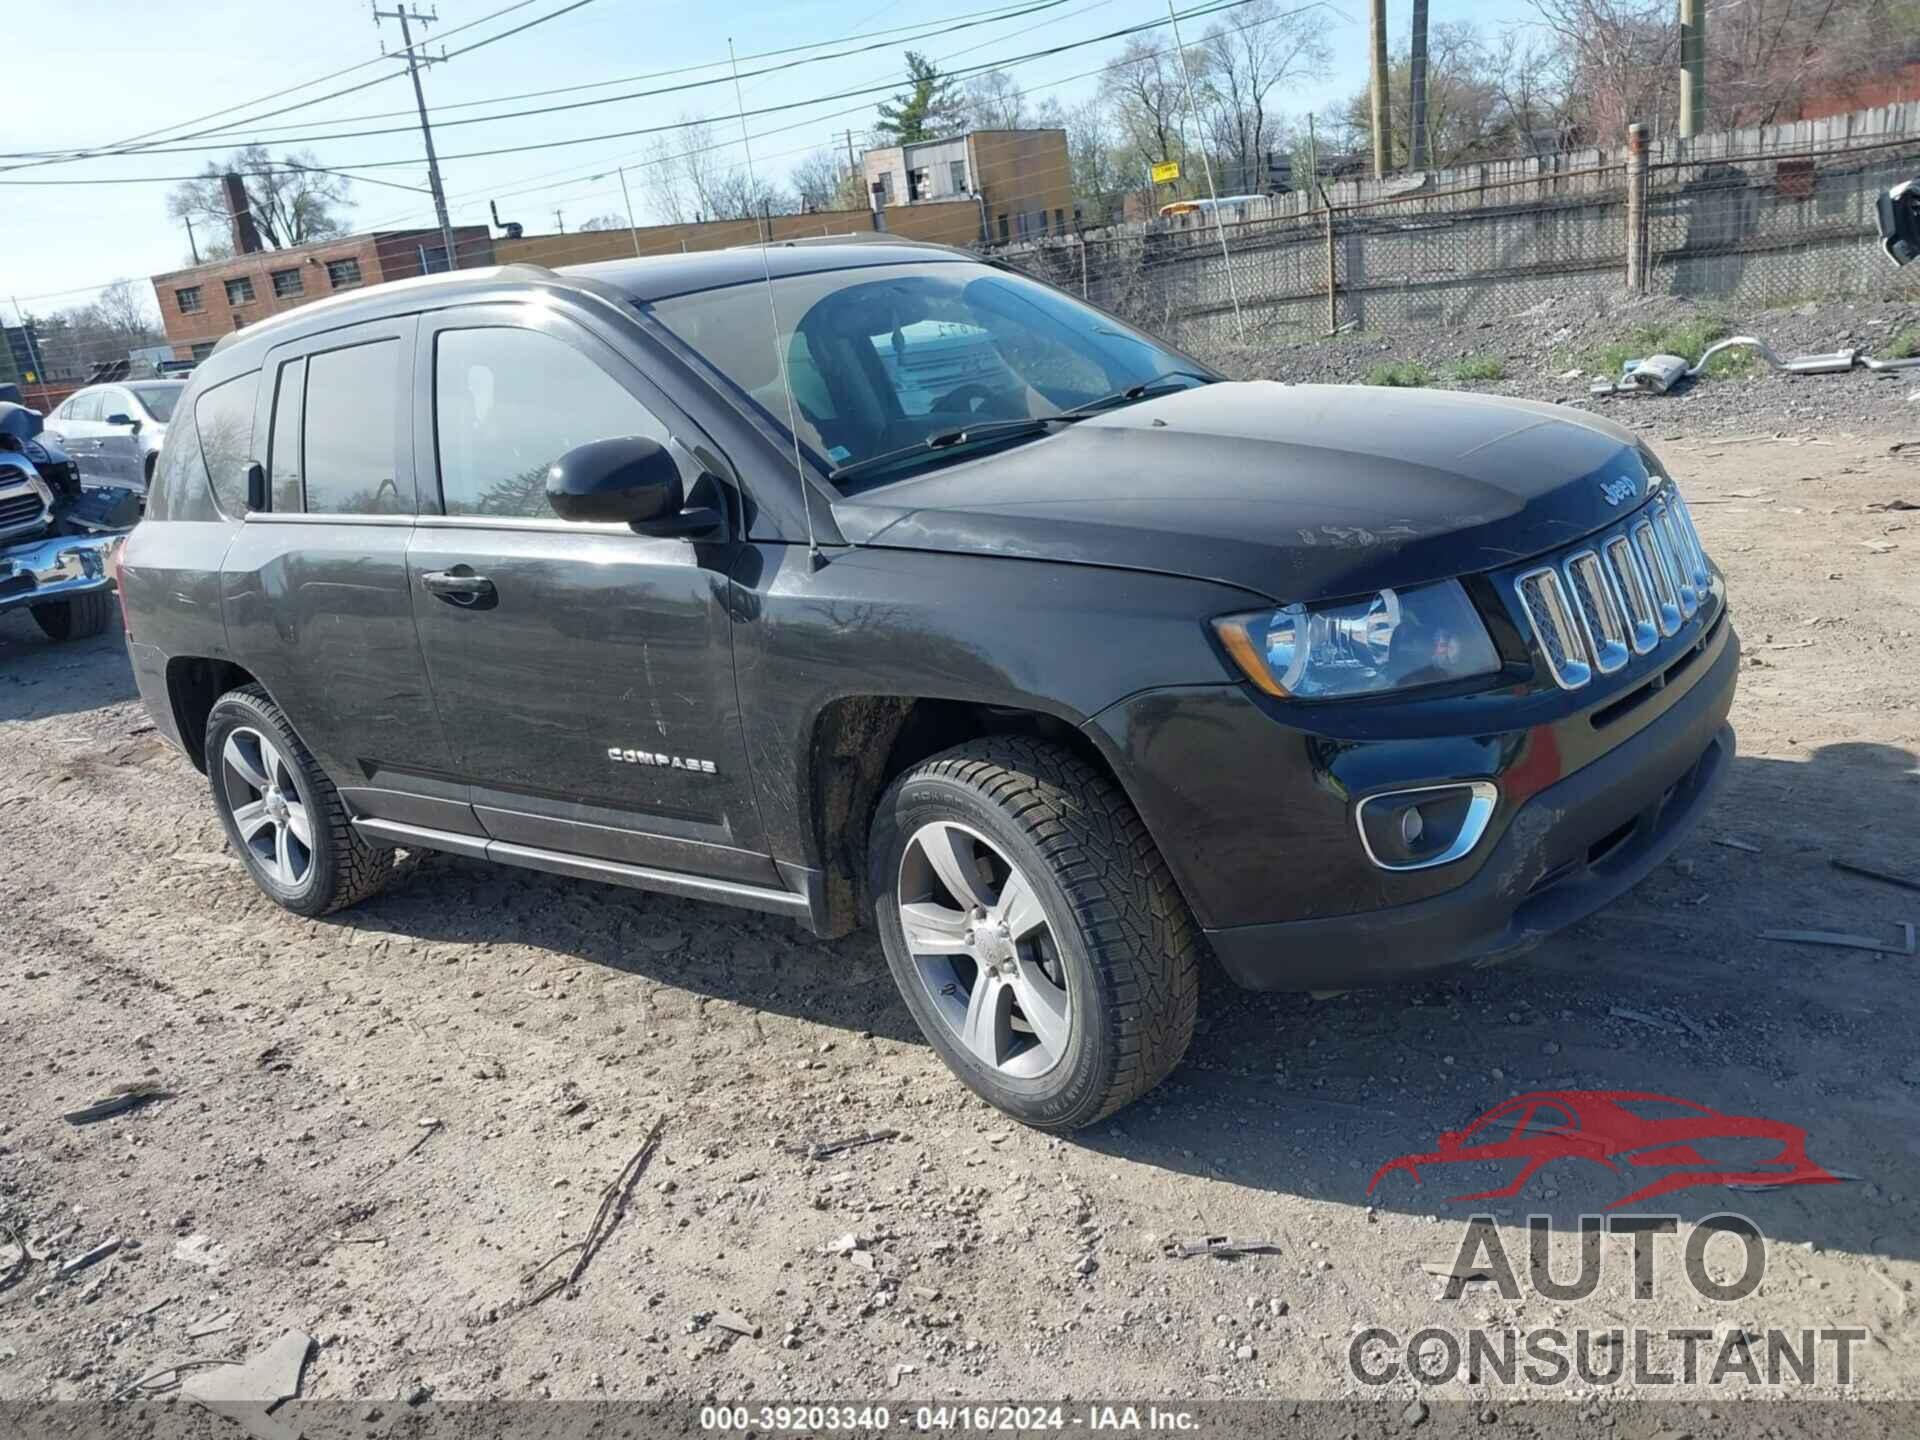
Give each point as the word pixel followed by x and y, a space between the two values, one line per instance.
pixel 814 558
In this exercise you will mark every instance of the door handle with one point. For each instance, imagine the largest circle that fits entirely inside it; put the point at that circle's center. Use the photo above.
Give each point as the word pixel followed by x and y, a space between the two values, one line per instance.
pixel 456 587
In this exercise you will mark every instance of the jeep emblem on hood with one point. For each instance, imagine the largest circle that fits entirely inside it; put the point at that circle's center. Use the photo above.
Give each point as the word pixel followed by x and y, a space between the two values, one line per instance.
pixel 1618 491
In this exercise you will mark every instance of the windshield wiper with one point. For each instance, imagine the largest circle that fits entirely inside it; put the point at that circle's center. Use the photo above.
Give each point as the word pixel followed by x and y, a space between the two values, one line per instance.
pixel 1135 392
pixel 947 439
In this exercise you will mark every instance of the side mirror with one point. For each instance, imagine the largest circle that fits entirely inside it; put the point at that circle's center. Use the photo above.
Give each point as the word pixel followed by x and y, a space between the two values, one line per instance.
pixel 625 481
pixel 122 418
pixel 631 481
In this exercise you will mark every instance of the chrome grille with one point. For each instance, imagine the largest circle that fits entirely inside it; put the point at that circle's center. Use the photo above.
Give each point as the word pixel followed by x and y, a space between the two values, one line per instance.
pixel 1595 608
pixel 22 508
pixel 1600 614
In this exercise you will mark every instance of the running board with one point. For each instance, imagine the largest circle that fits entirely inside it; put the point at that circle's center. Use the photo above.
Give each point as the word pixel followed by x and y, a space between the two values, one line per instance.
pixel 581 867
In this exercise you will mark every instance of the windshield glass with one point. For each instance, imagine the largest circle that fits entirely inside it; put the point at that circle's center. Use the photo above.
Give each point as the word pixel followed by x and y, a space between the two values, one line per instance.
pixel 882 358
pixel 159 398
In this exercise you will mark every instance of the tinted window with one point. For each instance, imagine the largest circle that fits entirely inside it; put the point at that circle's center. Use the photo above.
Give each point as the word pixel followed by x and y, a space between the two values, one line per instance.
pixel 283 462
pixel 179 491
pixel 224 418
pixel 507 404
pixel 352 400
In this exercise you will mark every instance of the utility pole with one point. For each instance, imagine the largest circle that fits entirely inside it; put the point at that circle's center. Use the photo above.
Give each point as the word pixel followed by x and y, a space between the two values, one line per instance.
pixel 1417 89
pixel 627 200
pixel 1693 67
pixel 560 220
pixel 414 62
pixel 1382 113
pixel 1313 162
pixel 853 167
pixel 192 244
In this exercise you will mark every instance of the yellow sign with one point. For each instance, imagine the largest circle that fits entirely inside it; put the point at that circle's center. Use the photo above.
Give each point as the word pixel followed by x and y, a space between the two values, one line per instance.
pixel 1166 170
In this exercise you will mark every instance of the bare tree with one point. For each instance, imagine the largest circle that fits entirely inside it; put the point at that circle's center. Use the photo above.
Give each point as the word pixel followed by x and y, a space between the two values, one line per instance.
pixel 993 100
pixel 1620 58
pixel 683 172
pixel 1263 52
pixel 823 181
pixel 609 221
pixel 1092 148
pixel 1146 96
pixel 292 202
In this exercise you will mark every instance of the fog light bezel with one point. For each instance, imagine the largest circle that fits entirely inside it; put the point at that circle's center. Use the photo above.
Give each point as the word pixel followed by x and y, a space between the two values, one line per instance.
pixel 1484 797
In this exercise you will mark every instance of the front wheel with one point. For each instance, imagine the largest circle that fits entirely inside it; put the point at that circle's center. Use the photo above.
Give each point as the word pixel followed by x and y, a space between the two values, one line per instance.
pixel 77 618
pixel 1034 930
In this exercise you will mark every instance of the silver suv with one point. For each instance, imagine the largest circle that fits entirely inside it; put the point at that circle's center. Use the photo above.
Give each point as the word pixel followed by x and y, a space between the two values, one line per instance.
pixel 114 432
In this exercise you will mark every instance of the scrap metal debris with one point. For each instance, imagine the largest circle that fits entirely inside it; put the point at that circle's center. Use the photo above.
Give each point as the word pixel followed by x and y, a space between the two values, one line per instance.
pixel 1657 374
pixel 91 1257
pixel 121 1098
pixel 1220 1247
pixel 613 1204
pixel 1854 867
pixel 736 1322
pixel 820 1150
pixel 1841 941
pixel 266 1380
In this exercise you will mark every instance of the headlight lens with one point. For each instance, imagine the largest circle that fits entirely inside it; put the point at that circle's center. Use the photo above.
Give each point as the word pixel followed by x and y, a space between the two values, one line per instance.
pixel 1390 641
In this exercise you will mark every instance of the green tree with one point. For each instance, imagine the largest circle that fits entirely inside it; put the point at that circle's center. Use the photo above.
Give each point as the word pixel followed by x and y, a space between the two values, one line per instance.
pixel 930 108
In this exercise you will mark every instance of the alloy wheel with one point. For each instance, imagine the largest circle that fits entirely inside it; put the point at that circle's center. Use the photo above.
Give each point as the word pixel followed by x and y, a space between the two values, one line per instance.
pixel 266 807
pixel 983 951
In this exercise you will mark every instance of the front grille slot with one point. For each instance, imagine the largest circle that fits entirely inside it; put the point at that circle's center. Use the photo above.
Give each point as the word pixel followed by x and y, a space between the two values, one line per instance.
pixel 24 508
pixel 1636 594
pixel 1554 626
pixel 1646 545
pixel 1599 610
pixel 1667 530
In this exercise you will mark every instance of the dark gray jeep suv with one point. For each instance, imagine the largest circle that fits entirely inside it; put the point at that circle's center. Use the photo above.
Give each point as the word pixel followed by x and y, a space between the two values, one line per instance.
pixel 871 583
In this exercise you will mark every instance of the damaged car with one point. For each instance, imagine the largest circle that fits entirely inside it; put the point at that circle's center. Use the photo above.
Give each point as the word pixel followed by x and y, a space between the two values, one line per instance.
pixel 57 538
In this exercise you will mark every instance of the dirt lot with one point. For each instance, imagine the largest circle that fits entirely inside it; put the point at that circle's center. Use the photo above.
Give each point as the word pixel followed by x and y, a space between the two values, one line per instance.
pixel 547 1025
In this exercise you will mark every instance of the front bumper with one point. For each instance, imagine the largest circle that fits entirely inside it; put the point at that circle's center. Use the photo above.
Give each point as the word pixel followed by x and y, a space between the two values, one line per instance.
pixel 1567 851
pixel 56 568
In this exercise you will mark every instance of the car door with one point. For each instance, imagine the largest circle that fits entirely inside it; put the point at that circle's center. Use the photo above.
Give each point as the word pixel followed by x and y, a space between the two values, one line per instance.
pixel 584 673
pixel 79 422
pixel 315 587
pixel 118 444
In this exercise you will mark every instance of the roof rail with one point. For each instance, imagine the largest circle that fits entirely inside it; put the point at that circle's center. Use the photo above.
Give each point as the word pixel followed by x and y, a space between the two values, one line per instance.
pixel 857 237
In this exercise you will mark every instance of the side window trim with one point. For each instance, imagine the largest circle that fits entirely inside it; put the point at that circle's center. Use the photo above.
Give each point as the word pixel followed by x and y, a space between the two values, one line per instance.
pixel 403 329
pixel 683 433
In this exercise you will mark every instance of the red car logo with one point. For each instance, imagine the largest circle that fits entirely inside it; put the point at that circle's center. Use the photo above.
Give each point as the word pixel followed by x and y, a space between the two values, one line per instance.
pixel 1620 1128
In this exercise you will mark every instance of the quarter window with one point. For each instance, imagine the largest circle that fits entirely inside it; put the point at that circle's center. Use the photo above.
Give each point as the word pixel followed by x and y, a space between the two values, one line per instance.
pixel 343 273
pixel 189 298
pixel 287 283
pixel 352 467
pixel 224 418
pixel 240 292
pixel 507 404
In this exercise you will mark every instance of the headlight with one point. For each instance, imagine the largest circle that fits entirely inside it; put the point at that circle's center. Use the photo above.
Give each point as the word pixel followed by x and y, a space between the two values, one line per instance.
pixel 1393 640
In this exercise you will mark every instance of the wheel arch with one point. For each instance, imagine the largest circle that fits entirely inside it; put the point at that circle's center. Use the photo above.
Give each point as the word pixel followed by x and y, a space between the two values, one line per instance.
pixel 194 684
pixel 862 743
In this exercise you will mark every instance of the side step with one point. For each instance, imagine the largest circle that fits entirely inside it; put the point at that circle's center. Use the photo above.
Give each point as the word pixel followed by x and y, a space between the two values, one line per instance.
pixel 613 872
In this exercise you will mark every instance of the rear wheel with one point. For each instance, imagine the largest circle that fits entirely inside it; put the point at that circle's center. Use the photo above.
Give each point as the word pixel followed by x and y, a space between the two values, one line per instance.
pixel 1034 930
pixel 77 618
pixel 282 815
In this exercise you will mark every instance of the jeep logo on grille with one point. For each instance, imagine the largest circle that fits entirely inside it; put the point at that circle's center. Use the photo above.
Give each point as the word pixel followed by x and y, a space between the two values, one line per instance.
pixel 1619 491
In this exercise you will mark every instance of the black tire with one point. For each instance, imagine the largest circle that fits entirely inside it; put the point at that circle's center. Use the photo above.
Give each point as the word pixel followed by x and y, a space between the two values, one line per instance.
pixel 75 619
pixel 1128 944
pixel 344 869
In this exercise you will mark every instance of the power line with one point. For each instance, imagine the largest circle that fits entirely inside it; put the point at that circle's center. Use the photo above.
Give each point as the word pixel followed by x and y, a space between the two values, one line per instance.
pixel 130 148
pixel 1215 7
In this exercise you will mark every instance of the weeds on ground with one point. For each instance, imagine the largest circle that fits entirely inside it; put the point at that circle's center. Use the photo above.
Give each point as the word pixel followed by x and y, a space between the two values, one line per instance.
pixel 1686 338
pixel 1901 345
pixel 1400 374
pixel 1477 368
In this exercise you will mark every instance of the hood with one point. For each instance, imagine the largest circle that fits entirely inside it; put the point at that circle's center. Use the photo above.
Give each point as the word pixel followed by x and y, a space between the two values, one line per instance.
pixel 1294 492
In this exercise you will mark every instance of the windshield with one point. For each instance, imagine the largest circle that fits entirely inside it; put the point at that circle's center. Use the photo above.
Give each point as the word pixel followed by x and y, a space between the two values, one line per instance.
pixel 158 399
pixel 883 359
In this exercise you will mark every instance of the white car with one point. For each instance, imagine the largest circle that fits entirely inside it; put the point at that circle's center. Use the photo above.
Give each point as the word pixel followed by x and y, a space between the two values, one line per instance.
pixel 114 432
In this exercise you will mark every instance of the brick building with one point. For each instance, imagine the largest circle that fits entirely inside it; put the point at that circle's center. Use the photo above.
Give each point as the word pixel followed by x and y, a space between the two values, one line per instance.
pixel 1019 180
pixel 203 302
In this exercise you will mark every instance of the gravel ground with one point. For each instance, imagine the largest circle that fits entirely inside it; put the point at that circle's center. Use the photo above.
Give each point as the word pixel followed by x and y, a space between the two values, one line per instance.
pixel 1540 348
pixel 545 1027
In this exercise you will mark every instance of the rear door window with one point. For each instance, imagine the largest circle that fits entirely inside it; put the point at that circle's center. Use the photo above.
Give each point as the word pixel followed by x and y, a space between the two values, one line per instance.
pixel 350 453
pixel 224 418
pixel 283 460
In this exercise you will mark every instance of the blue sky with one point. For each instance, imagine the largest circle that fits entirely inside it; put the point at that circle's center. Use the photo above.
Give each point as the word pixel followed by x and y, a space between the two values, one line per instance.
pixel 92 72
